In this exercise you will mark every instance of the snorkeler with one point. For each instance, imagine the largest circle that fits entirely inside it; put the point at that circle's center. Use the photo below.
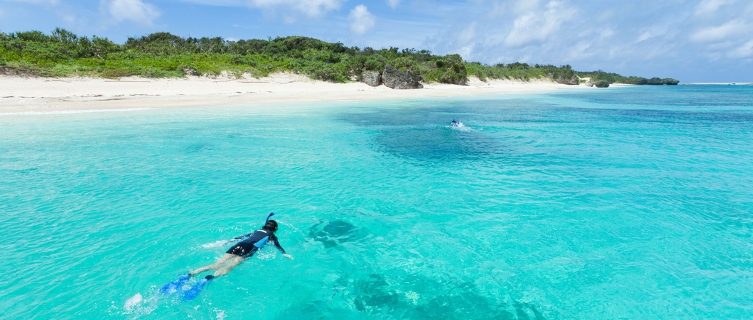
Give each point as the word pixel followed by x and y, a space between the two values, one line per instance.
pixel 244 249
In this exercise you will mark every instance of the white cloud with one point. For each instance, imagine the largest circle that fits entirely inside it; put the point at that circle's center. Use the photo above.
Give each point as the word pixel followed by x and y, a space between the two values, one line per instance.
pixel 744 51
pixel 466 51
pixel 72 19
pixel 468 33
pixel 710 6
pixel 607 15
pixel 311 8
pixel 525 5
pixel 497 9
pixel 580 50
pixel 608 33
pixel 465 38
pixel 722 45
pixel 537 26
pixel 645 36
pixel 133 10
pixel 720 32
pixel 393 3
pixel 526 28
pixel 361 20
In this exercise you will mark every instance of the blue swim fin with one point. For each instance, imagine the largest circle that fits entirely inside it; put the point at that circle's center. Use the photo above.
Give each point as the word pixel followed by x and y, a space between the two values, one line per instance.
pixel 175 284
pixel 194 291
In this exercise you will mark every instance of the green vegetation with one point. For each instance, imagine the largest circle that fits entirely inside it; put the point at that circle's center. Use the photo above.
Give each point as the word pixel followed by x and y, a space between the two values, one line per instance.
pixel 521 71
pixel 160 55
pixel 616 78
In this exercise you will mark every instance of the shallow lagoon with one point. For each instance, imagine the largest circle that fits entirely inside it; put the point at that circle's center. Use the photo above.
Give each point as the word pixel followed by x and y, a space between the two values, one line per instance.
pixel 621 203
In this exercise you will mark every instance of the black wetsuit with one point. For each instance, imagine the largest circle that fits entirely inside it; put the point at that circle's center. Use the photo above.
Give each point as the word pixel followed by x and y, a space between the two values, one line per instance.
pixel 254 242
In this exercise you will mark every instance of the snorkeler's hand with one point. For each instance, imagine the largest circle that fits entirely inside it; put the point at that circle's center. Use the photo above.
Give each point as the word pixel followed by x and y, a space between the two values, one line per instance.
pixel 288 256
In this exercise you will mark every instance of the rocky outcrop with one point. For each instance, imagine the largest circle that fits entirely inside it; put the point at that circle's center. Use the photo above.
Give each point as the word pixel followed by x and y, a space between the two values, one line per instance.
pixel 190 71
pixel 372 78
pixel 597 84
pixel 568 78
pixel 397 79
pixel 573 81
pixel 601 84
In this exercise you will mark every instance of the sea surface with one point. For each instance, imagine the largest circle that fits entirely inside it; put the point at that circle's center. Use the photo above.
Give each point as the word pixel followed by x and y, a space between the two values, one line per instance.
pixel 618 203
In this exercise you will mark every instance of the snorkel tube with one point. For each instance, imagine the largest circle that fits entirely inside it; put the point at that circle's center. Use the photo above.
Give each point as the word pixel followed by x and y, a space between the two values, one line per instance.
pixel 270 225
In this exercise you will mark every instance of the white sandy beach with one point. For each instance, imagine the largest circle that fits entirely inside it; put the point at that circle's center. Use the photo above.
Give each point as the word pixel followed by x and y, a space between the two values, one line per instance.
pixel 21 94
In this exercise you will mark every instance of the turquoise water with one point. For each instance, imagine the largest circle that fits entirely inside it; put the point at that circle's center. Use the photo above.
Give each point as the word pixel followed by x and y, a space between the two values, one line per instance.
pixel 621 203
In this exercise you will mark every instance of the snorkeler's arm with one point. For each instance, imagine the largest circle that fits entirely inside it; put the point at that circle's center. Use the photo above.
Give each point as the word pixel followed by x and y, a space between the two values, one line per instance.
pixel 277 243
pixel 279 247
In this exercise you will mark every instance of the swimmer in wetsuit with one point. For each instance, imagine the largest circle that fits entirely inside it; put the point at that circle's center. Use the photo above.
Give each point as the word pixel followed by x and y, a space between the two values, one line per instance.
pixel 245 249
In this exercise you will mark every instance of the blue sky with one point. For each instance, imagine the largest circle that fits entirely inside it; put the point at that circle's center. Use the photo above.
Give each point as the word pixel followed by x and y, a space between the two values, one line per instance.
pixel 690 40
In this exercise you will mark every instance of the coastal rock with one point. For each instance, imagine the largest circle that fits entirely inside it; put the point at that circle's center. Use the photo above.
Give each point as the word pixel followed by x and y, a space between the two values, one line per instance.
pixel 397 79
pixel 372 78
pixel 21 70
pixel 601 84
pixel 569 79
pixel 190 71
pixel 573 81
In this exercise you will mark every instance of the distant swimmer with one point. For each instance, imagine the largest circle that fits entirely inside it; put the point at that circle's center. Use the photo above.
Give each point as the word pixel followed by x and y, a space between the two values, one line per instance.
pixel 245 249
pixel 457 124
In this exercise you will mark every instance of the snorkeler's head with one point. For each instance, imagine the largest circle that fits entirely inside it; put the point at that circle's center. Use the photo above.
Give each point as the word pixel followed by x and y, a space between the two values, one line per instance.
pixel 271 225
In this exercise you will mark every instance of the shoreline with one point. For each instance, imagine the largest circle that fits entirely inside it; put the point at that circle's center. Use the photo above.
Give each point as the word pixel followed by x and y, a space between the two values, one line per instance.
pixel 25 95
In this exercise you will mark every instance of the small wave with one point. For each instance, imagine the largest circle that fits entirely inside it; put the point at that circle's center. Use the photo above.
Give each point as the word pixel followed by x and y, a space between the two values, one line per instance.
pixel 35 113
pixel 133 302
pixel 463 128
pixel 138 305
pixel 216 244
